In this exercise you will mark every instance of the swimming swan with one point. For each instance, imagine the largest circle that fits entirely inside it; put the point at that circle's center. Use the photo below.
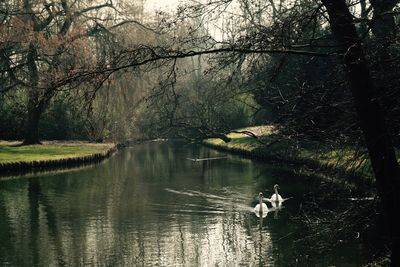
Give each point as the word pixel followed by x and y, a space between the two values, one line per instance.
pixel 276 199
pixel 261 208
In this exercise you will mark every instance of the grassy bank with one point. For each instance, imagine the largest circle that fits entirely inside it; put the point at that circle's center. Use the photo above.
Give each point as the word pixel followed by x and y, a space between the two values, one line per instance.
pixel 347 160
pixel 14 157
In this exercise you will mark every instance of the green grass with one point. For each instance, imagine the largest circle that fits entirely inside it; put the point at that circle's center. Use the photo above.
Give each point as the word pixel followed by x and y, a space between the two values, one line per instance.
pixel 244 142
pixel 342 158
pixel 11 152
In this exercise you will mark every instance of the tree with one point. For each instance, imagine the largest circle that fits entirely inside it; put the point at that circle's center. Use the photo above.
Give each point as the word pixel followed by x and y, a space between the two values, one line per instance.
pixel 45 45
pixel 371 117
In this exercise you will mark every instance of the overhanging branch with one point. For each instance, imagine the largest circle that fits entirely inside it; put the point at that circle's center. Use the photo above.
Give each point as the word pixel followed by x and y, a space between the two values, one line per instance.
pixel 146 55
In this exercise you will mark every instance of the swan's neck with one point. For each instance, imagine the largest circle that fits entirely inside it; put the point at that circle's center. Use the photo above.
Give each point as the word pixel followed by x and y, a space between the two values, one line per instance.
pixel 276 191
pixel 261 206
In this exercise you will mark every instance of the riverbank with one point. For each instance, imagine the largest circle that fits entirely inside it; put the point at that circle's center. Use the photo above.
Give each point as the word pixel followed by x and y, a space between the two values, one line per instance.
pixel 270 145
pixel 51 154
pixel 343 172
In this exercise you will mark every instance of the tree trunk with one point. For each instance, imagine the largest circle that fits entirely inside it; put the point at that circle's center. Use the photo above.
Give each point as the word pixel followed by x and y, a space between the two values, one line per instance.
pixel 32 125
pixel 371 118
pixel 34 105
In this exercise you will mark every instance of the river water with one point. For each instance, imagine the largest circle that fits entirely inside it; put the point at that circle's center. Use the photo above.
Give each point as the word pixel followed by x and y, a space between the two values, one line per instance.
pixel 150 206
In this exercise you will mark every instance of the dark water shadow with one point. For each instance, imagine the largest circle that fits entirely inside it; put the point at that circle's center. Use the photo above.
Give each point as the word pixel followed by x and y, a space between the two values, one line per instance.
pixel 38 199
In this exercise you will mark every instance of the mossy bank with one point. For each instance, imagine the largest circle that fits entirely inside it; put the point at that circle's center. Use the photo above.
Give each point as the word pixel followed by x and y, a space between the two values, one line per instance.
pixel 270 145
pixel 51 154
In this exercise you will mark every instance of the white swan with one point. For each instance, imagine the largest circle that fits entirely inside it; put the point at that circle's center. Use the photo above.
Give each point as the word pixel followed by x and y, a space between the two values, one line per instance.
pixel 276 199
pixel 261 209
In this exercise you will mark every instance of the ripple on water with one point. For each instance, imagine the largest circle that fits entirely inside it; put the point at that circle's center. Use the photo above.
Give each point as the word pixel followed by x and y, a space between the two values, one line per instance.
pixel 147 206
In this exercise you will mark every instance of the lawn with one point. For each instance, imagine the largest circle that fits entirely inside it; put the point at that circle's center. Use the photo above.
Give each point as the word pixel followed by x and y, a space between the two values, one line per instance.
pixel 11 152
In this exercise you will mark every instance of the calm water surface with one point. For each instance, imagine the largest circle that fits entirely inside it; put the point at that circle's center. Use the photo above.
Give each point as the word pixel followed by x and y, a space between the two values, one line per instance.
pixel 150 206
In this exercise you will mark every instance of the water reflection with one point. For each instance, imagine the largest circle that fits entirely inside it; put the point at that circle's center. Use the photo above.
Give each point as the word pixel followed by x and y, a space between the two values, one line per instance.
pixel 147 206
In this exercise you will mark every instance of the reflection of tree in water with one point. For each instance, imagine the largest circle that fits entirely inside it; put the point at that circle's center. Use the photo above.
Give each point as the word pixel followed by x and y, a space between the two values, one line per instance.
pixel 120 214
pixel 33 196
pixel 38 205
pixel 6 233
pixel 108 215
pixel 208 245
